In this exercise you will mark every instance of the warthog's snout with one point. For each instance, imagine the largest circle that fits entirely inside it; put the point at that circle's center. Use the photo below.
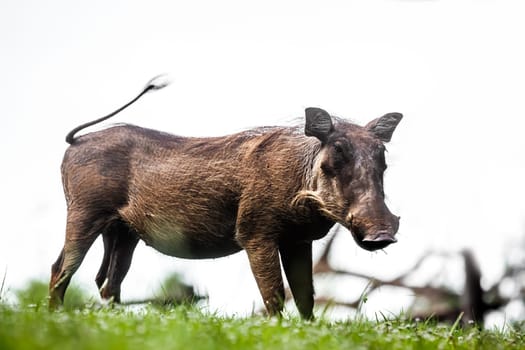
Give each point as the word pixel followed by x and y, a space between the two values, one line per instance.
pixel 370 238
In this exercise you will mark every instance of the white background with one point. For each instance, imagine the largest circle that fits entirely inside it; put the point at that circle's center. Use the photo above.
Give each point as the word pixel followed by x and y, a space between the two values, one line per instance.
pixel 454 68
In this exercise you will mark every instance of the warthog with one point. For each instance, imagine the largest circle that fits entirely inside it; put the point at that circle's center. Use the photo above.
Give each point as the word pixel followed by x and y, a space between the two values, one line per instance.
pixel 270 191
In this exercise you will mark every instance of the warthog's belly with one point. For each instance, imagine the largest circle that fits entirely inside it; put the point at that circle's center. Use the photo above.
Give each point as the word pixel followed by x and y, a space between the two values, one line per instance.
pixel 181 242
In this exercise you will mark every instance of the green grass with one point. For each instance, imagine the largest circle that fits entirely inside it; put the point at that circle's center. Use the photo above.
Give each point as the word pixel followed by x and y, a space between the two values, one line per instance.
pixel 82 325
pixel 186 327
pixel 34 294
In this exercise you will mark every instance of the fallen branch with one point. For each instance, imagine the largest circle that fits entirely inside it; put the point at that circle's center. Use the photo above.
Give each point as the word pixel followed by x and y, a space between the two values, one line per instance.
pixel 443 304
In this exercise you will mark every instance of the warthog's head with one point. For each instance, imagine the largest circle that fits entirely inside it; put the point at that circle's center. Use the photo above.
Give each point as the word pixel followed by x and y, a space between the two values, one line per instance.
pixel 347 179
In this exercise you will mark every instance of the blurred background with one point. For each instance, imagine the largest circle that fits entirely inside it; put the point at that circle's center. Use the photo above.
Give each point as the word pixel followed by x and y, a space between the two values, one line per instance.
pixel 456 162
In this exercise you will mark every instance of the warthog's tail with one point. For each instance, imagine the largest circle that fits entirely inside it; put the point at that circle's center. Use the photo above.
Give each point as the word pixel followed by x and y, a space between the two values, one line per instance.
pixel 156 83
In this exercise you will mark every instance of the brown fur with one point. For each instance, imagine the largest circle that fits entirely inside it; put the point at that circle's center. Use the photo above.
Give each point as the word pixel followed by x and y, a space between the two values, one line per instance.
pixel 270 191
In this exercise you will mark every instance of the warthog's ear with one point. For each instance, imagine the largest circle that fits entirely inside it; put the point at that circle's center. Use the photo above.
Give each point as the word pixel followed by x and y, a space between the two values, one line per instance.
pixel 384 127
pixel 318 123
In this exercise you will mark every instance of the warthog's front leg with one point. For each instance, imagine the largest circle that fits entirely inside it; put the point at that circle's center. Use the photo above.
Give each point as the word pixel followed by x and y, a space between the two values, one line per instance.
pixel 297 264
pixel 264 262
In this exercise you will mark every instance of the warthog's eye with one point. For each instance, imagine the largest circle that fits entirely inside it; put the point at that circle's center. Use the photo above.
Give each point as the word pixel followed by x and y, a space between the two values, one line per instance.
pixel 338 156
pixel 341 152
pixel 338 148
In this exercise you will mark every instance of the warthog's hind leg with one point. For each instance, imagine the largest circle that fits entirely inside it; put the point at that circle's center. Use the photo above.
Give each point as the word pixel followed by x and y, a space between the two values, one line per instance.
pixel 119 244
pixel 81 232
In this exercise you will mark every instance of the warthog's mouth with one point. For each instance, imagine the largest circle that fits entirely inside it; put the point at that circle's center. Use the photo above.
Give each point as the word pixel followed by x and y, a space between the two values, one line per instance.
pixel 378 241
